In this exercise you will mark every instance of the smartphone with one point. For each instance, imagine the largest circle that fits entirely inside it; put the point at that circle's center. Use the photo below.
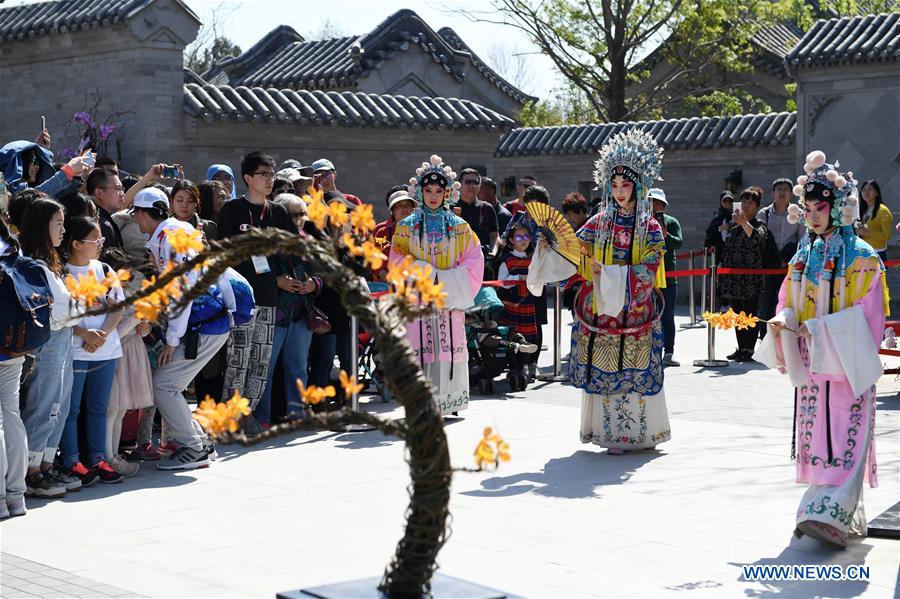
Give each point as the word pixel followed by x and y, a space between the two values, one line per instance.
pixel 170 172
pixel 43 123
pixel 89 158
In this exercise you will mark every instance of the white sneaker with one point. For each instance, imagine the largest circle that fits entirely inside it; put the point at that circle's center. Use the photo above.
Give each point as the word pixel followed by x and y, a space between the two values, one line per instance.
pixel 16 506
pixel 123 468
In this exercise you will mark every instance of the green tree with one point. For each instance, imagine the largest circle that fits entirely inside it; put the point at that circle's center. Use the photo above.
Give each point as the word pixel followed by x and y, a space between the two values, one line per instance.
pixel 201 58
pixel 600 47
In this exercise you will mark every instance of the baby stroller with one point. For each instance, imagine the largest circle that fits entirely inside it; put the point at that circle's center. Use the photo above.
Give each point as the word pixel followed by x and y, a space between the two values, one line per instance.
pixel 368 363
pixel 494 349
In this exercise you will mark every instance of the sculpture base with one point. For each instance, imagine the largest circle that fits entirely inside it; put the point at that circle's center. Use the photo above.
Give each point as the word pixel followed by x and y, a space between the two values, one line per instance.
pixel 353 428
pixel 711 363
pixel 442 586
pixel 887 525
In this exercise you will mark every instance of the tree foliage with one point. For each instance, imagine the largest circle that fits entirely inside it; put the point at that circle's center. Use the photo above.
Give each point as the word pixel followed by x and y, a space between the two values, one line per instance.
pixel 601 49
pixel 203 58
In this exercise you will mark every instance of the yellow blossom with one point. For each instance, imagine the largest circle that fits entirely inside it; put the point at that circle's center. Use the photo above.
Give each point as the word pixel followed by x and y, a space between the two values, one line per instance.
pixel 316 209
pixel 362 219
pixel 218 418
pixel 731 320
pixel 491 449
pixel 183 240
pixel 373 255
pixel 86 288
pixel 350 386
pixel 314 395
pixel 337 214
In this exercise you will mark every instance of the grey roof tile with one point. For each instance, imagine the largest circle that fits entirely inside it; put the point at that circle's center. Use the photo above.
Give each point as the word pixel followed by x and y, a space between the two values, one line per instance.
pixel 60 16
pixel 347 109
pixel 775 128
pixel 870 38
pixel 283 59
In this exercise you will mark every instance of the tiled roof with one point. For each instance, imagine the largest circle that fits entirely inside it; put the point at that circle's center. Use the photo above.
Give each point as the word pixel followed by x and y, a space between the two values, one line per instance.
pixel 778 38
pixel 348 109
pixel 278 61
pixel 457 43
pixel 870 38
pixel 46 18
pixel 675 134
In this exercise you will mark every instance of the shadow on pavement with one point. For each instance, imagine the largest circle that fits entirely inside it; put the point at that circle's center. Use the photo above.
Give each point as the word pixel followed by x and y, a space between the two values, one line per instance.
pixel 888 403
pixel 571 477
pixel 148 477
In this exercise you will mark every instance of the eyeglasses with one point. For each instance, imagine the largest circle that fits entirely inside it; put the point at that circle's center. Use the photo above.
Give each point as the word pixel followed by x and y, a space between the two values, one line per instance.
pixel 118 188
pixel 264 175
pixel 298 214
pixel 522 237
pixel 471 182
pixel 99 241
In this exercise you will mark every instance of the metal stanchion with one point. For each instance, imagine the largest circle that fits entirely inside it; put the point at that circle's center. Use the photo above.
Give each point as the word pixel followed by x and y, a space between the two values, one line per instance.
pixel 354 371
pixel 710 361
pixel 703 285
pixel 557 375
pixel 692 305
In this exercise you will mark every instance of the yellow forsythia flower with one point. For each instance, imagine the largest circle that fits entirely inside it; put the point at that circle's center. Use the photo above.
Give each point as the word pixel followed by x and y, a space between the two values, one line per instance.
pixel 86 288
pixel 491 449
pixel 183 240
pixel 731 320
pixel 314 395
pixel 349 385
pixel 337 214
pixel 362 220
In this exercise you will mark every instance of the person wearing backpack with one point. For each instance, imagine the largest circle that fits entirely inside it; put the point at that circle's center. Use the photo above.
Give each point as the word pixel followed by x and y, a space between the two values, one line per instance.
pixel 48 386
pixel 193 336
pixel 97 350
pixel 28 277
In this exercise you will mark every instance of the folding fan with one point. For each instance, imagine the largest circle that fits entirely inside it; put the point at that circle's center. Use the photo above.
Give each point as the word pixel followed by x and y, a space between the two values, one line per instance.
pixel 556 230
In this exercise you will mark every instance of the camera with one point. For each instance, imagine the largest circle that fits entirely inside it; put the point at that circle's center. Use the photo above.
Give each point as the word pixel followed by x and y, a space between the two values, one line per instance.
pixel 170 172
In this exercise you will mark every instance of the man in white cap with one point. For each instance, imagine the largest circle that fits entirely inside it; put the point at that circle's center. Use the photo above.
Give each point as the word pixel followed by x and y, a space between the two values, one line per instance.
pixel 185 351
pixel 671 230
pixel 325 177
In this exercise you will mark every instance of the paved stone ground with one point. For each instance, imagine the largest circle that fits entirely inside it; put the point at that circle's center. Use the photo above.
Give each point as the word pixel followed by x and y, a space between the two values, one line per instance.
pixel 561 519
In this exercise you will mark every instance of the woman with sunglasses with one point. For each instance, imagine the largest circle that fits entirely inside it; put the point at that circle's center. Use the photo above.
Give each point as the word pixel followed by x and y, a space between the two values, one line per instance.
pixel 96 352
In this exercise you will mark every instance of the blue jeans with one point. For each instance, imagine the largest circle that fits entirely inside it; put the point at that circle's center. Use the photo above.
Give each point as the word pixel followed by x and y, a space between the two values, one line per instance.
pixel 48 393
pixel 292 344
pixel 668 316
pixel 91 382
pixel 322 351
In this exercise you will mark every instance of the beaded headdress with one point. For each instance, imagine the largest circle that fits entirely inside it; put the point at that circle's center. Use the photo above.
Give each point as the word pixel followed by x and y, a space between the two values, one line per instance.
pixel 434 171
pixel 635 155
pixel 823 182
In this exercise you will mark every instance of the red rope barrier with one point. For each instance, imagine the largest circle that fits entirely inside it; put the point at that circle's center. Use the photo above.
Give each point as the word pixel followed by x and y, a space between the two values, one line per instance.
pixel 889 263
pixel 889 352
pixel 697 272
pixel 751 271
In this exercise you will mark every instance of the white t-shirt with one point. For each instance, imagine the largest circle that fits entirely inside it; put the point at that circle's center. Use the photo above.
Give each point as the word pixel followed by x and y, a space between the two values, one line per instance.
pixel 112 348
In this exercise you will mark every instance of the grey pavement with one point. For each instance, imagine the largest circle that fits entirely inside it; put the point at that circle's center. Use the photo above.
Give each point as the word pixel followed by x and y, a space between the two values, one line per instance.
pixel 561 519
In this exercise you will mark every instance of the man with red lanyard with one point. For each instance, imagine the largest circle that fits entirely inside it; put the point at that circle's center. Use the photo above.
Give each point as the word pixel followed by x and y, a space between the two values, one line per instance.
pixel 251 344
pixel 324 177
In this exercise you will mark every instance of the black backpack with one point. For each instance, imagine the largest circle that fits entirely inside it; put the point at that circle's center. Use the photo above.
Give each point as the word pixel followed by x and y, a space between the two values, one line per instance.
pixel 25 300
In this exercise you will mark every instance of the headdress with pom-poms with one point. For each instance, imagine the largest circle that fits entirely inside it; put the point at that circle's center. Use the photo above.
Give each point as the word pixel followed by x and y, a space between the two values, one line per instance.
pixel 435 171
pixel 823 182
pixel 635 155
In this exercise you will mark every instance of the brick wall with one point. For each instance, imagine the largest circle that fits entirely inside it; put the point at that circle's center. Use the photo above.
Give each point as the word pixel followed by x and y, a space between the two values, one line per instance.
pixel 369 161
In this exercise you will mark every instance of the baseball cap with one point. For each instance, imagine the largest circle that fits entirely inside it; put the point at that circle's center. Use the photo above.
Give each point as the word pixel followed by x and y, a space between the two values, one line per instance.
pixel 150 197
pixel 657 193
pixel 322 164
pixel 400 196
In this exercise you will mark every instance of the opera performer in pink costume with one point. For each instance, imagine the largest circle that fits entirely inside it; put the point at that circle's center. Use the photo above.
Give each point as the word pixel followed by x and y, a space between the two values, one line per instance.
pixel 435 236
pixel 830 321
